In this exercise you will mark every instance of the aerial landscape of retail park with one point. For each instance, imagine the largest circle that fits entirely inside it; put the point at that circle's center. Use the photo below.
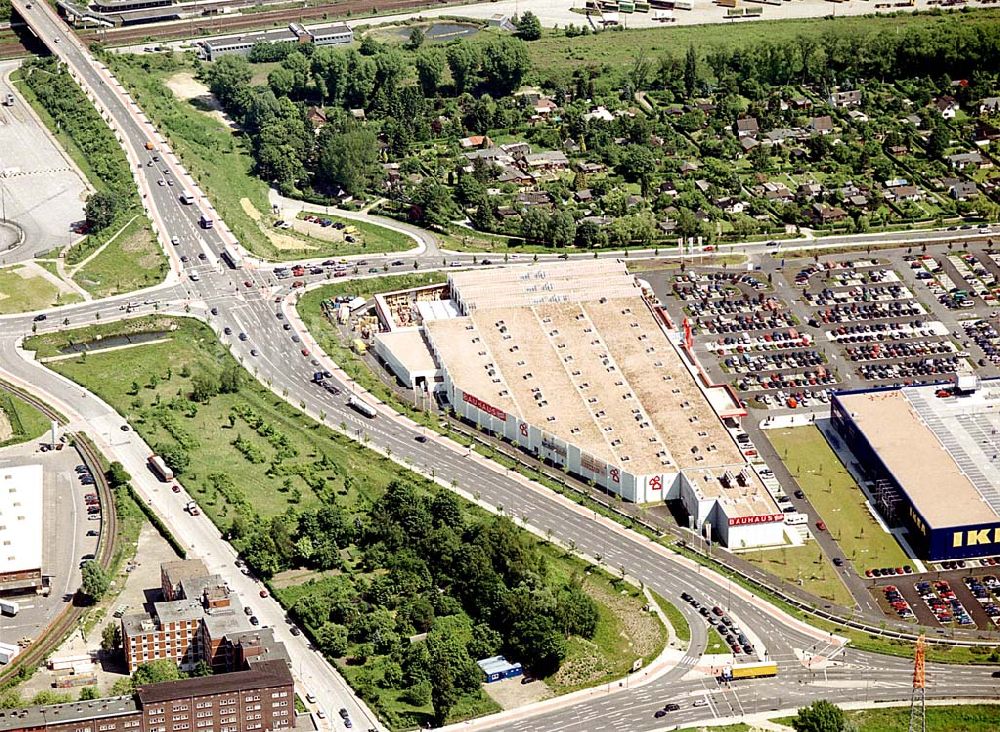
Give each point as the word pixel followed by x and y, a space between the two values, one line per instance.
pixel 531 365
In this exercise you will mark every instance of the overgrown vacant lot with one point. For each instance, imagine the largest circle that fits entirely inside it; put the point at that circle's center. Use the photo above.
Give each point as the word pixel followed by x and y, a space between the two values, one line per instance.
pixel 366 556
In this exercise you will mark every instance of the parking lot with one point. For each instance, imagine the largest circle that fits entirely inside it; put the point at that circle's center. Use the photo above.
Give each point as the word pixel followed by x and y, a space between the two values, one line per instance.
pixel 64 515
pixel 959 598
pixel 44 191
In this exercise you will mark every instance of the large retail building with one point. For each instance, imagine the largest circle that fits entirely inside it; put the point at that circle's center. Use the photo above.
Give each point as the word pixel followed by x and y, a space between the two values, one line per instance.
pixel 933 459
pixel 573 363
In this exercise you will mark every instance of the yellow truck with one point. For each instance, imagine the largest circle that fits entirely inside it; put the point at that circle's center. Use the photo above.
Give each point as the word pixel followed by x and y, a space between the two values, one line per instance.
pixel 761 670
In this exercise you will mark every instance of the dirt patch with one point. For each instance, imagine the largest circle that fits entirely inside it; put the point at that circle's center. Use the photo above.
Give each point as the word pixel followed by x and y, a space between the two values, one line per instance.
pixel 511 693
pixel 6 431
pixel 325 233
pixel 293 577
pixel 185 87
pixel 280 241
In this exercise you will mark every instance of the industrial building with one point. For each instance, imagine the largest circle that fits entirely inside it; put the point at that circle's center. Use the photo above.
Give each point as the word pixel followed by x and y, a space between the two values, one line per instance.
pixel 931 457
pixel 322 35
pixel 21 529
pixel 257 698
pixel 573 364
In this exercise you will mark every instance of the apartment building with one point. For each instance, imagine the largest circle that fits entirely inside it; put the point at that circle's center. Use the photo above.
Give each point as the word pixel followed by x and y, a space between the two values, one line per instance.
pixel 261 697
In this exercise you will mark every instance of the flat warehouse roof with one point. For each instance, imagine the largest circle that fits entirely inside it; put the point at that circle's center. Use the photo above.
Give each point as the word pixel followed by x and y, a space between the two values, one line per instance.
pixel 599 374
pixel 943 452
pixel 410 348
pixel 20 518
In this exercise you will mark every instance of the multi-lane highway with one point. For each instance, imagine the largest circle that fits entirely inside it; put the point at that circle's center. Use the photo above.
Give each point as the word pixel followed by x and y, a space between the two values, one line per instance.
pixel 243 301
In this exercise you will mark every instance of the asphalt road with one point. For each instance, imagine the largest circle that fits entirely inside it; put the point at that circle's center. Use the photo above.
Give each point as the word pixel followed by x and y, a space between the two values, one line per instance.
pixel 281 365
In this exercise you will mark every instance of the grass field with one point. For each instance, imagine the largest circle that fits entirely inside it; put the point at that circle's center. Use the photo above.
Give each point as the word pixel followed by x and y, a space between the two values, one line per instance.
pixel 371 238
pixel 958 718
pixel 678 621
pixel 805 563
pixel 837 498
pixel 26 422
pixel 22 290
pixel 310 310
pixel 715 642
pixel 132 261
pixel 151 384
pixel 555 54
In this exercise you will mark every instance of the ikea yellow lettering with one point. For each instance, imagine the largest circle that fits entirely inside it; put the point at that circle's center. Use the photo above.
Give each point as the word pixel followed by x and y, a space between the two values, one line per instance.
pixel 975 537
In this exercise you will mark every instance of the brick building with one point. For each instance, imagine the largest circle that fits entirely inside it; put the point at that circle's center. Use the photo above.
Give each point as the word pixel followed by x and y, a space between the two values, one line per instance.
pixel 259 698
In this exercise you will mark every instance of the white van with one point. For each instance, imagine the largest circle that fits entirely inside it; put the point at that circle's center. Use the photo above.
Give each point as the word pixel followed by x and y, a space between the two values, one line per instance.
pixel 796 519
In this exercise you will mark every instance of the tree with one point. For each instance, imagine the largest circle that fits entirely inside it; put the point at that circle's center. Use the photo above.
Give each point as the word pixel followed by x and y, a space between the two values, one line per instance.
pixel 174 455
pixel 576 611
pixel 690 71
pixel 637 163
pixel 820 716
pixel 331 638
pixel 937 142
pixel 155 672
pixel 463 61
pixel 88 693
pixel 204 387
pixel 430 68
pixel 117 475
pixel 202 668
pixel 94 582
pixel 111 637
pixel 562 229
pixel 433 204
pixel 535 224
pixel 416 39
pixel 349 159
pixel 231 379
pixel 529 27
pixel 505 62
pixel 455 673
pixel 537 642
pixel 228 78
pixel 101 209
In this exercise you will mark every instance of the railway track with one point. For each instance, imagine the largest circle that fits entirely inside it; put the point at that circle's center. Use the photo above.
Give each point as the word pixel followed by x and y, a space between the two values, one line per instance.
pixel 218 24
pixel 35 654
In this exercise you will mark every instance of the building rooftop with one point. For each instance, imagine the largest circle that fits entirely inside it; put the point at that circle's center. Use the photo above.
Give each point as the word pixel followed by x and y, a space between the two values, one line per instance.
pixel 175 572
pixel 20 518
pixel 263 674
pixel 73 712
pixel 945 453
pixel 270 36
pixel 410 348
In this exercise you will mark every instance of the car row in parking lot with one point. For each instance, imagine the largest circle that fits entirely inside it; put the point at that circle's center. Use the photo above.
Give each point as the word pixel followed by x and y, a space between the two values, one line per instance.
pixel 909 369
pixel 897 602
pixel 856 313
pixel 985 335
pixel 862 294
pixel 893 350
pixel 784 360
pixel 943 603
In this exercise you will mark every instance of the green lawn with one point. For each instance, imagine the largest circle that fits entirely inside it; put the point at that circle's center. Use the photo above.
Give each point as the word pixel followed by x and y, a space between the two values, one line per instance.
pixel 555 54
pixel 805 563
pixel 310 310
pixel 959 718
pixel 716 644
pixel 26 422
pixel 677 620
pixel 837 498
pixel 19 293
pixel 163 414
pixel 133 260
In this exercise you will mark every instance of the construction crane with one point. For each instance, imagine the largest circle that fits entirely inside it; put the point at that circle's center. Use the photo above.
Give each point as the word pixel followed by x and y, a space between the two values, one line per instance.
pixel 919 690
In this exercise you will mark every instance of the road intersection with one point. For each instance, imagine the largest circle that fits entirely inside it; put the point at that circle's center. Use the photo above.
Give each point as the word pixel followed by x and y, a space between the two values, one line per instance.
pixel 252 309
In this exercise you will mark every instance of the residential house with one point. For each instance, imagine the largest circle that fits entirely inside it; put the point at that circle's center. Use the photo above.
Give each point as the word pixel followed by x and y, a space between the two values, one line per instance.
pixel 845 99
pixel 748 143
pixel 702 185
pixel 914 120
pixel 517 150
pixel 904 193
pixel 824 214
pixel 358 115
pixel 584 196
pixel 779 135
pixel 946 106
pixel 586 166
pixel 474 142
pixel 858 201
pixel 600 113
pixel 501 21
pixel 668 188
pixel 633 200
pixel 961 161
pixel 549 160
pixel 537 199
pixel 989 105
pixel 777 192
pixel 963 190
pixel 570 145
pixel 513 174
pixel 317 117
pixel 809 191
pixel 746 127
pixel 730 205
pixel 857 115
pixel 667 226
pixel 801 103
pixel 898 150
pixel 821 125
pixel 985 134
pixel 689 166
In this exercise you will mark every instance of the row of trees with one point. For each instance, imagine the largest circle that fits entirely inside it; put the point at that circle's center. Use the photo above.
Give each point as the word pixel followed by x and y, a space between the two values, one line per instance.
pixel 66 104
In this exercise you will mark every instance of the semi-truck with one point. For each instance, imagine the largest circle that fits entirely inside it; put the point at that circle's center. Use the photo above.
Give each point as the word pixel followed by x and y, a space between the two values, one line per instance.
pixel 161 469
pixel 232 257
pixel 9 607
pixel 759 670
pixel 363 407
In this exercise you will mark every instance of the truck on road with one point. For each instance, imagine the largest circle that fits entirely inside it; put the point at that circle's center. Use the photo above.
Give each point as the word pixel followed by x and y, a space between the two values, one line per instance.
pixel 9 607
pixel 205 222
pixel 363 407
pixel 758 670
pixel 186 198
pixel 161 469
pixel 8 100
